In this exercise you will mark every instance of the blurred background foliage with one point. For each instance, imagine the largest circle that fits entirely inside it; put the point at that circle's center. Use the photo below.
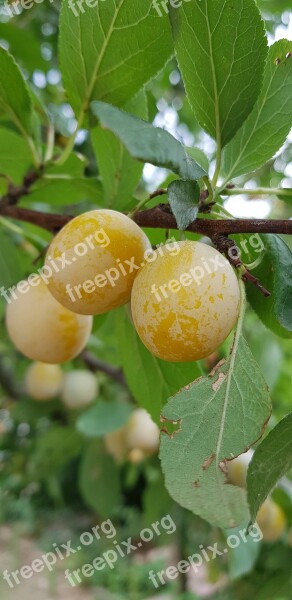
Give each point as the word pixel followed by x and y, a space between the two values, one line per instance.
pixel 46 475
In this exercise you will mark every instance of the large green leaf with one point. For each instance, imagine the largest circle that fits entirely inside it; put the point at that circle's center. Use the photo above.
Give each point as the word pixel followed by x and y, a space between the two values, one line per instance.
pixel 103 418
pixel 74 166
pixel 221 48
pixel 64 191
pixel 15 99
pixel 108 52
pixel 120 173
pixel 150 379
pixel 274 272
pixel 269 123
pixel 215 418
pixel 271 460
pixel 146 142
pixel 99 480
pixel 24 45
pixel 15 158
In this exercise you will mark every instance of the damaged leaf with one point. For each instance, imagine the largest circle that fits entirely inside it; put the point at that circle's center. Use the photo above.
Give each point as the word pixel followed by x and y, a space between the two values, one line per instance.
pixel 220 417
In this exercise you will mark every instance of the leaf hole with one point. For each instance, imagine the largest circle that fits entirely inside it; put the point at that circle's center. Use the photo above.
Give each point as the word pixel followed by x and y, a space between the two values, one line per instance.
pixel 171 427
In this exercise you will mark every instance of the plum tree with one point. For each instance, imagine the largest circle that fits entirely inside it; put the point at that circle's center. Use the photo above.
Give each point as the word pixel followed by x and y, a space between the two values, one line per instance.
pixel 80 388
pixel 142 432
pixel 271 520
pixel 44 330
pixel 237 469
pixel 104 250
pixel 185 306
pixel 43 381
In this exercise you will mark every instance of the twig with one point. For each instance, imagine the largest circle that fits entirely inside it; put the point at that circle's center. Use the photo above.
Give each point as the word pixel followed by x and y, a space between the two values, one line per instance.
pixel 14 192
pixel 159 192
pixel 94 364
pixel 228 247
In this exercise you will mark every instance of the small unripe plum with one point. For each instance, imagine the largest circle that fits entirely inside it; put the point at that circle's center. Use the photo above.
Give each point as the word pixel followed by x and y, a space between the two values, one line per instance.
pixel 271 520
pixel 103 250
pixel 184 305
pixel 80 388
pixel 44 330
pixel 237 469
pixel 142 432
pixel 116 444
pixel 43 381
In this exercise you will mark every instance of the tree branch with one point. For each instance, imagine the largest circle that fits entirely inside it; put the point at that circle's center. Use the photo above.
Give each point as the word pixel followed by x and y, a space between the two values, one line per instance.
pixel 158 217
pixel 94 364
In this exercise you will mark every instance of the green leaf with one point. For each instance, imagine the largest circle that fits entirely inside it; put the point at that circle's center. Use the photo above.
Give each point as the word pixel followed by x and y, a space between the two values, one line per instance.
pixel 150 380
pixel 215 418
pixel 274 273
pixel 24 45
pixel 268 125
pixel 61 192
pixel 285 194
pixel 15 158
pixel 199 156
pixel 274 6
pixel 120 173
pixel 103 418
pixel 146 142
pixel 271 460
pixel 109 52
pixel 54 449
pixel 74 166
pixel 13 262
pixel 15 99
pixel 221 49
pixel 99 481
pixel 184 198
pixel 242 558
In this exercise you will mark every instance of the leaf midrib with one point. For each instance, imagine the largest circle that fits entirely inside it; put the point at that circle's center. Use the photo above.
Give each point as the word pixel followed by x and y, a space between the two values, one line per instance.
pixel 99 62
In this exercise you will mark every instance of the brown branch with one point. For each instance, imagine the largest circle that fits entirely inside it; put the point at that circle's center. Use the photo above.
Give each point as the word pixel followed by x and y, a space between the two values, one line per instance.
pixel 14 193
pixel 158 217
pixel 94 364
pixel 227 246
pixel 50 222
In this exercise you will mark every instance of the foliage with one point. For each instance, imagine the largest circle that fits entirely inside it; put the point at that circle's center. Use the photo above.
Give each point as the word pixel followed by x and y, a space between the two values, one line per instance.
pixel 83 105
